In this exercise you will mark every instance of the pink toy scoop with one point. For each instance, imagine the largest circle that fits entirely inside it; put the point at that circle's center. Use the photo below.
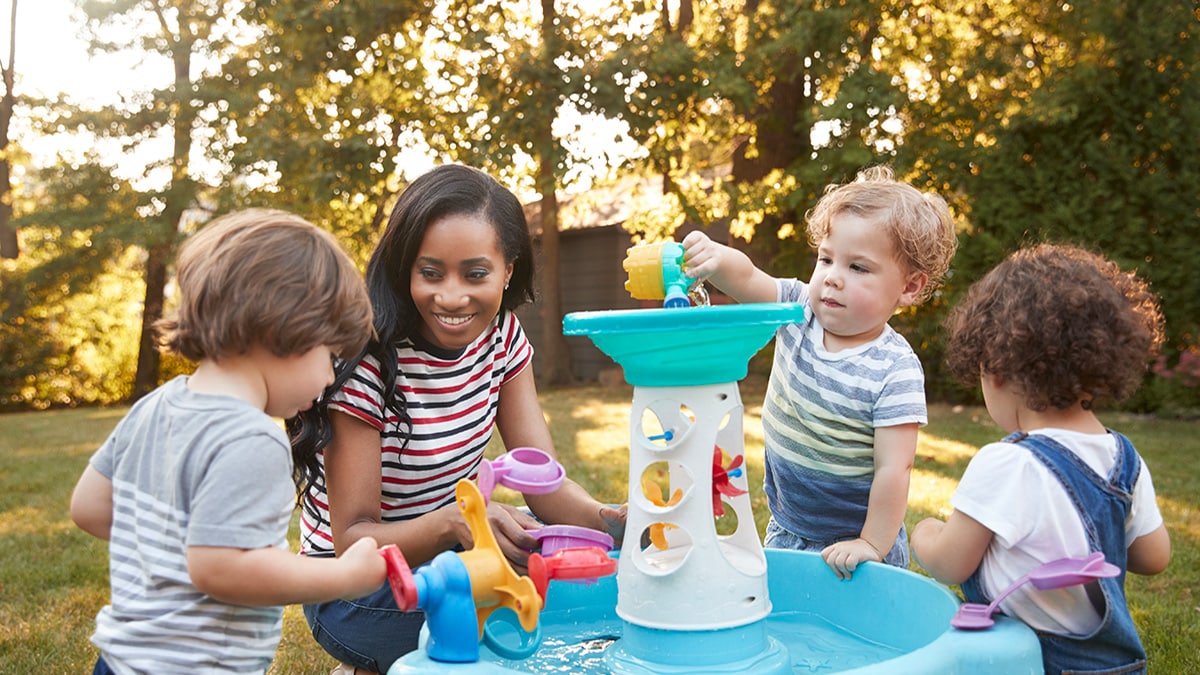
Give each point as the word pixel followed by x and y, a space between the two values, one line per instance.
pixel 1054 574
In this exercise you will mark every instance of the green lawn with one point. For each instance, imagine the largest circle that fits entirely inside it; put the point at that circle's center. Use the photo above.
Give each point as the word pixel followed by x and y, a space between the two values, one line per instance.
pixel 53 578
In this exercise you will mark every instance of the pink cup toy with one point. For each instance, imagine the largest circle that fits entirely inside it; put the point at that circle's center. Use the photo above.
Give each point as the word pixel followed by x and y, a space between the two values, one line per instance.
pixel 555 538
pixel 1054 574
pixel 526 470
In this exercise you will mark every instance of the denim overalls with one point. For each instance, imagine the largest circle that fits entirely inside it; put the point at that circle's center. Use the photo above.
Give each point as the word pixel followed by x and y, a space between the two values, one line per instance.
pixel 1102 506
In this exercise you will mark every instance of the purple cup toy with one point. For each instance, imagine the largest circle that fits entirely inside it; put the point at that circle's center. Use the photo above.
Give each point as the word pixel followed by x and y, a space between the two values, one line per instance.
pixel 555 538
pixel 527 470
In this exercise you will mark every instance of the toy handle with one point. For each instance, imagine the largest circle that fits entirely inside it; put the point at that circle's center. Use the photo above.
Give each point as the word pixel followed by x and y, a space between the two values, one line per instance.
pixel 527 641
pixel 400 577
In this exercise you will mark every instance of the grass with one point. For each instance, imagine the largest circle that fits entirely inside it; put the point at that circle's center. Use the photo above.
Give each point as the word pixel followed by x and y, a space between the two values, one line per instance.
pixel 53 577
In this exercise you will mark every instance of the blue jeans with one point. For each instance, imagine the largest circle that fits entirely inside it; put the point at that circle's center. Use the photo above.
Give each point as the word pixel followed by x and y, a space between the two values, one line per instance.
pixel 369 632
pixel 779 537
pixel 102 668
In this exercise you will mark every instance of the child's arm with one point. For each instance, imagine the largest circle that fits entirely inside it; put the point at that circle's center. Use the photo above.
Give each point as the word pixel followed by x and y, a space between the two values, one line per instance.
pixel 264 577
pixel 728 269
pixel 1150 553
pixel 92 503
pixel 951 551
pixel 895 448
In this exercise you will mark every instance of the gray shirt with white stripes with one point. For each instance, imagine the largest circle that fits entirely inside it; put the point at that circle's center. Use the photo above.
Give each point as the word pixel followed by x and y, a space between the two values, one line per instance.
pixel 190 469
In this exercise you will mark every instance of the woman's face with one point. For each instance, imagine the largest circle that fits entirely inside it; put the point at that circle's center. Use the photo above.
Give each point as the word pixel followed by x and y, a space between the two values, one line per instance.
pixel 458 279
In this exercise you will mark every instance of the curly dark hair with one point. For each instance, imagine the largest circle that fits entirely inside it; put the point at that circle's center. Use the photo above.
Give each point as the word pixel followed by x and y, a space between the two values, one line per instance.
pixel 1062 323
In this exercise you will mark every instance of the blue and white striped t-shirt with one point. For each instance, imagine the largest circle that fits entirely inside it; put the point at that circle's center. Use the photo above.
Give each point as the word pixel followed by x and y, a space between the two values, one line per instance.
pixel 819 420
pixel 190 469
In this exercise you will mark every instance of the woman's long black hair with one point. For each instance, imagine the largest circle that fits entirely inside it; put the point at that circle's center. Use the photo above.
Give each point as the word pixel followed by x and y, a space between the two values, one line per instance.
pixel 444 191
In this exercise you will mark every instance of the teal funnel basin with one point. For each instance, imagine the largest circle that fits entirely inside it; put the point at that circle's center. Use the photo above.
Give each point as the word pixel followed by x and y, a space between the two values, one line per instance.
pixel 685 346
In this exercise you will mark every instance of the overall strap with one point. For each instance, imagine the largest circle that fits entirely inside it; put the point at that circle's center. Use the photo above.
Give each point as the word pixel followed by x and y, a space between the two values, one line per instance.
pixel 1075 475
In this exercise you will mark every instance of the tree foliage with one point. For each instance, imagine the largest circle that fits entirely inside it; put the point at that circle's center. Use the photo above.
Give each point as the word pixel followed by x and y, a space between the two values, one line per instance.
pixel 1037 120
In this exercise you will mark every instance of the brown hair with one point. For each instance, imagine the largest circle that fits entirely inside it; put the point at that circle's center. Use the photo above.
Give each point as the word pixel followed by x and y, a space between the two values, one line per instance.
pixel 265 278
pixel 1062 323
pixel 918 223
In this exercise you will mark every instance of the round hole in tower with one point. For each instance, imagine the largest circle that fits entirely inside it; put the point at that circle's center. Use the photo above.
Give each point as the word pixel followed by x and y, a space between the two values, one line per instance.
pixel 726 523
pixel 664 422
pixel 663 486
pixel 663 547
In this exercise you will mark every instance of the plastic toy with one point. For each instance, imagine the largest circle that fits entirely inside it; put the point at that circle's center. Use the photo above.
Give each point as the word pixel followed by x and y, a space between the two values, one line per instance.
pixel 526 470
pixel 458 591
pixel 721 476
pixel 556 538
pixel 657 532
pixel 706 605
pixel 1055 574
pixel 584 564
pixel 657 272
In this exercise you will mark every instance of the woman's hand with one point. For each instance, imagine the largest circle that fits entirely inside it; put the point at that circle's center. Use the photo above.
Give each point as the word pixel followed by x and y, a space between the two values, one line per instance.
pixel 614 522
pixel 508 525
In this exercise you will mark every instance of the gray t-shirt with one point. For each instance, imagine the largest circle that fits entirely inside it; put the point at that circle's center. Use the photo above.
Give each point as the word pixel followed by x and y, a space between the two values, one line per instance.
pixel 190 469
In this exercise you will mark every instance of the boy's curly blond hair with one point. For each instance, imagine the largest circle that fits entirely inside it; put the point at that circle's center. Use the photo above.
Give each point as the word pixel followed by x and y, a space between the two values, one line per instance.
pixel 918 223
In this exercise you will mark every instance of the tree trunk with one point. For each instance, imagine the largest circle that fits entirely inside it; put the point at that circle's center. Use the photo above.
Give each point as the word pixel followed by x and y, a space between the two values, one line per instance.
pixel 146 377
pixel 556 354
pixel 9 247
pixel 161 243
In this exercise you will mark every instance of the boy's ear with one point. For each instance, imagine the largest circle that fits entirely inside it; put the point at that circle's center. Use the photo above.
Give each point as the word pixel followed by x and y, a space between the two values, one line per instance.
pixel 913 287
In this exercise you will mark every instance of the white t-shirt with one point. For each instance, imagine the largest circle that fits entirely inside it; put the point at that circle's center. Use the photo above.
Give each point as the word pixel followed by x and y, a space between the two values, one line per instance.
pixel 1009 491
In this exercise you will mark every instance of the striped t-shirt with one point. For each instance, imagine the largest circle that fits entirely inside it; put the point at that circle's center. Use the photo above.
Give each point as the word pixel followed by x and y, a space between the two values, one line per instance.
pixel 819 420
pixel 451 397
pixel 190 469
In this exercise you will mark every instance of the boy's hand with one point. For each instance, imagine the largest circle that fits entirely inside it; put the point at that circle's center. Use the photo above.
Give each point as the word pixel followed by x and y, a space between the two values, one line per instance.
pixel 701 254
pixel 845 556
pixel 363 568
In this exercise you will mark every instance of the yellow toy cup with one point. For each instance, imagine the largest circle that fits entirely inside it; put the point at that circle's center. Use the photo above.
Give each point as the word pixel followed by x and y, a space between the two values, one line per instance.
pixel 657 272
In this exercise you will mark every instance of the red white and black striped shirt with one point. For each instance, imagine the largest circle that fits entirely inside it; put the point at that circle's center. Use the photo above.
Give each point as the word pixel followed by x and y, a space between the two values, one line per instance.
pixel 452 398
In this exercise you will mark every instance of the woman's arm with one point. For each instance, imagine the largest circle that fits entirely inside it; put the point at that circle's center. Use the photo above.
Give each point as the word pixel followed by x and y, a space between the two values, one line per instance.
pixel 354 481
pixel 522 424
pixel 92 503
pixel 895 448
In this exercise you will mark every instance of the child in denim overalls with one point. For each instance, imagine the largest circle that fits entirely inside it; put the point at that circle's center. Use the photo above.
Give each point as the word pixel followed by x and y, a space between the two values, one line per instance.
pixel 1048 332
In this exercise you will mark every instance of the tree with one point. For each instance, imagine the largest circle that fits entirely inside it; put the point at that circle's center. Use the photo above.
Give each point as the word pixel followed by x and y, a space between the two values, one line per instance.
pixel 178 31
pixel 9 247
pixel 748 109
pixel 332 106
pixel 1073 123
pixel 363 85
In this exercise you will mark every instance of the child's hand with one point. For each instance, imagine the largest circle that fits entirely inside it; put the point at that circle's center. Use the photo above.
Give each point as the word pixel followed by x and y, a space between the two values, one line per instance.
pixel 701 255
pixel 362 567
pixel 844 557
